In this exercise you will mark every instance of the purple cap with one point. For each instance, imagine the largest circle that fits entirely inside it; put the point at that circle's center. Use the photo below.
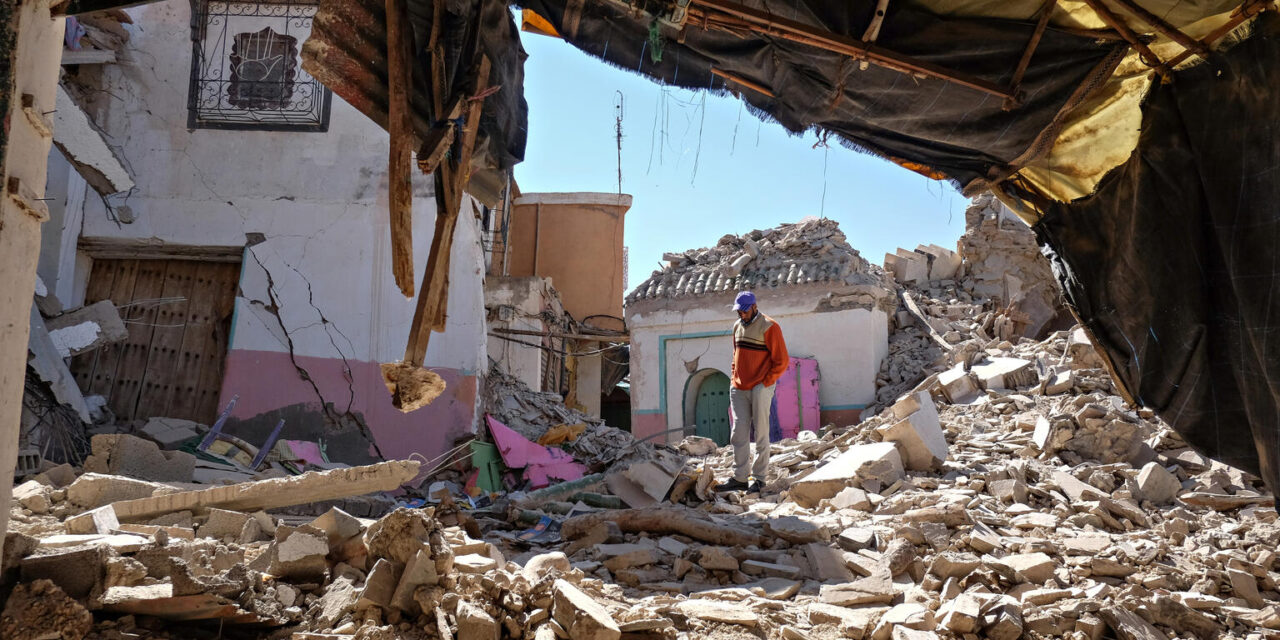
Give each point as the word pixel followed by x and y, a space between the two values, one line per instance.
pixel 744 301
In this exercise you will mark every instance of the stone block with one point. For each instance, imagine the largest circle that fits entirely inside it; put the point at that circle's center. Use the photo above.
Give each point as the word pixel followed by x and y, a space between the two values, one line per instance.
pixel 1156 484
pixel 918 433
pixel 769 569
pixel 339 525
pixel 540 565
pixel 582 617
pixel 87 328
pixel 716 559
pixel 222 524
pixel 131 456
pixel 299 554
pixel 420 571
pixel 869 465
pixel 474 563
pixel 851 498
pixel 379 586
pixel 76 572
pixel 1036 567
pixel 876 589
pixel 1005 373
pixel 856 539
pixel 93 490
pixel 101 520
pixel 1080 351
pixel 852 623
pixel 959 386
pixel 172 433
pixel 908 615
pixel 718 611
pixel 474 623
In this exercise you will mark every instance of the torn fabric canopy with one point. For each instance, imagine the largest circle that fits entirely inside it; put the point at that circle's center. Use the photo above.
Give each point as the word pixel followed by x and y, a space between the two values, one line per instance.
pixel 1172 263
pixel 924 122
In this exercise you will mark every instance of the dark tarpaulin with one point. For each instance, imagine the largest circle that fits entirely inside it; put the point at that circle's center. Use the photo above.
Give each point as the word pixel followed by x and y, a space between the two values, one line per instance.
pixel 957 130
pixel 1174 263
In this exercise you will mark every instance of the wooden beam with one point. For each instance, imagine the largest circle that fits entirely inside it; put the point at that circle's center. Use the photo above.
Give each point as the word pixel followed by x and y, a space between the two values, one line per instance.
pixel 1148 56
pixel 746 83
pixel 440 138
pixel 1014 86
pixel 1169 31
pixel 429 314
pixel 1242 13
pixel 774 25
pixel 400 126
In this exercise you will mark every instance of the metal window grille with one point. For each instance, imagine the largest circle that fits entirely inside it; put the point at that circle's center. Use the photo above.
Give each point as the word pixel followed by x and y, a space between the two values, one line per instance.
pixel 246 71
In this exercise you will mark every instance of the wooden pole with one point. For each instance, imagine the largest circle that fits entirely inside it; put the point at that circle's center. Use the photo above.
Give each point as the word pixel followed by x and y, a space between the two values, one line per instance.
pixel 400 126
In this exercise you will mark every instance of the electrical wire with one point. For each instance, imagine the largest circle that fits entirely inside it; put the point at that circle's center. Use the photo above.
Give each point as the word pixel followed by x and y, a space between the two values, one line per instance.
pixel 557 351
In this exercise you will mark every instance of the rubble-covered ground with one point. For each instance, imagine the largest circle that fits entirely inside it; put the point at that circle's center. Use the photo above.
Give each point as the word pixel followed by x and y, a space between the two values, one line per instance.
pixel 1057 512
pixel 999 489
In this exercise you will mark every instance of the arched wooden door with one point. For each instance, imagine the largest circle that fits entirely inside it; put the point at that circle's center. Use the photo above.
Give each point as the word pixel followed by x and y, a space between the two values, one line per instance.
pixel 711 411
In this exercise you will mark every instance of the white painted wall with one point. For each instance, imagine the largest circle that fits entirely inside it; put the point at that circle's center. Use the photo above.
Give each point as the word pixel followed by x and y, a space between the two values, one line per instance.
pixel 318 198
pixel 849 345
pixel 526 297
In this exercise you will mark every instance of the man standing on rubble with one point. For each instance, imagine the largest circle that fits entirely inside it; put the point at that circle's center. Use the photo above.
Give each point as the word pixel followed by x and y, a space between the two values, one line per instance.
pixel 759 359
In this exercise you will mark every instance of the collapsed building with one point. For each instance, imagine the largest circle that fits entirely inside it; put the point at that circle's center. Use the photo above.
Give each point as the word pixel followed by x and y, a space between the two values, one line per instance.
pixel 833 307
pixel 1009 492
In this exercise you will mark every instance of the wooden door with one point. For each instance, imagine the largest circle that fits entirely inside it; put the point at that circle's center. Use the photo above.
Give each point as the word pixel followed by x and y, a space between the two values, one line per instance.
pixel 796 404
pixel 712 408
pixel 178 313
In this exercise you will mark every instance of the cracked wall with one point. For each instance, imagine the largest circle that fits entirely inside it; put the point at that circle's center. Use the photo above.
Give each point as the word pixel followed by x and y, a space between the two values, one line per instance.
pixel 317 308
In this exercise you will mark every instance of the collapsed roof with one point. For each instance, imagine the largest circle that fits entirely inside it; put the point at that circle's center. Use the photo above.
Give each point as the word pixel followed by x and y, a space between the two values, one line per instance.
pixel 811 252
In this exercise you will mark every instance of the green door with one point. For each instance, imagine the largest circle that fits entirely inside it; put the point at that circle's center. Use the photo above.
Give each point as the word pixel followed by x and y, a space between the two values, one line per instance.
pixel 712 409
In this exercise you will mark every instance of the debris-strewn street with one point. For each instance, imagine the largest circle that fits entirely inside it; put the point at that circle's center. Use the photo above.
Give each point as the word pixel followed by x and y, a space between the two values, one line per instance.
pixel 1006 492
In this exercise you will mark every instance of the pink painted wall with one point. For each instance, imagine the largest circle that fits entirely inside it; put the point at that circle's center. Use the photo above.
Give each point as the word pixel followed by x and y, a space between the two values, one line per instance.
pixel 270 387
pixel 644 425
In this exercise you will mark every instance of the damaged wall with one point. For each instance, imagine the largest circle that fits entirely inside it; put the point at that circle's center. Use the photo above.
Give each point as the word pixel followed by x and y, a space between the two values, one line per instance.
pixel 317 309
pixel 675 340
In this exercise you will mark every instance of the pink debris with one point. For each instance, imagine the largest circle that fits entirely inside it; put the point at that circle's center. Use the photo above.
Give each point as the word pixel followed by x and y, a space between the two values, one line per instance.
pixel 541 464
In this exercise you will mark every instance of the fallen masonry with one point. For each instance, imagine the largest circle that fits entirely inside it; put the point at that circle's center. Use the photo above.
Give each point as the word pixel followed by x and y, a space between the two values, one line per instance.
pixel 1005 491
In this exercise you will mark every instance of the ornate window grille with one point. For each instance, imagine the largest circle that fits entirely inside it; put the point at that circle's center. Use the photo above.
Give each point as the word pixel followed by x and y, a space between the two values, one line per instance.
pixel 246 72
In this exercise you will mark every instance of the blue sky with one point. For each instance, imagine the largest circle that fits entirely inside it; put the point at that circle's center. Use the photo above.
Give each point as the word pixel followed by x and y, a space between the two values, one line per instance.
pixel 700 166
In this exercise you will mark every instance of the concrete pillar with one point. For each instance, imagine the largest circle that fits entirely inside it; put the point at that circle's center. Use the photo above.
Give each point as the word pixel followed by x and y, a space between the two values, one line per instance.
pixel 34 62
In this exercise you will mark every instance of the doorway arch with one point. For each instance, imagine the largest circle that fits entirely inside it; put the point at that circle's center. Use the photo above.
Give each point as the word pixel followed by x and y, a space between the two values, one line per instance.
pixel 706 405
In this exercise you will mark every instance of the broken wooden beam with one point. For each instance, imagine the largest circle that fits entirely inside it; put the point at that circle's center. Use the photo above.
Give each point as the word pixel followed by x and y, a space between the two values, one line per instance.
pixel 1144 52
pixel 313 486
pixel 1164 28
pixel 400 127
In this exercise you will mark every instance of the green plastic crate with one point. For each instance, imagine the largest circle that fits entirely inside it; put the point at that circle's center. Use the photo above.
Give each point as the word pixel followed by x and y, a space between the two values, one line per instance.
pixel 485 457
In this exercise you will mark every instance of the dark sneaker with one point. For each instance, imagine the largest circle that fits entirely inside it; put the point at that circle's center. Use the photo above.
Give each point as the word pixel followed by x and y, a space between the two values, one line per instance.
pixel 756 487
pixel 733 484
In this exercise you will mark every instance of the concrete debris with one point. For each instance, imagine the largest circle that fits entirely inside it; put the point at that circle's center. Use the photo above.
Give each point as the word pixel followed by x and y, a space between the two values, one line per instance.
pixel 130 456
pixel 1004 492
pixel 87 328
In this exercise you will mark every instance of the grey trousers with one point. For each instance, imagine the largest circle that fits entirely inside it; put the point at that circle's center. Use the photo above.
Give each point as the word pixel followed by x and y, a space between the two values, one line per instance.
pixel 750 406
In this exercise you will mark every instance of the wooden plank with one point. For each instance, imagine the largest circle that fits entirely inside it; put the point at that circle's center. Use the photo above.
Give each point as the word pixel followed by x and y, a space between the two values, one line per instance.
pixel 225 280
pixel 400 126
pixel 1144 53
pixel 127 386
pixel 777 26
pixel 156 388
pixel 101 277
pixel 88 56
pixel 1046 10
pixel 104 374
pixel 430 313
pixel 1171 32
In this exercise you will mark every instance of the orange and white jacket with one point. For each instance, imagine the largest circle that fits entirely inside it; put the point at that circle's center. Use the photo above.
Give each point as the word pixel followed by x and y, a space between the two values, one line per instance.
pixel 759 353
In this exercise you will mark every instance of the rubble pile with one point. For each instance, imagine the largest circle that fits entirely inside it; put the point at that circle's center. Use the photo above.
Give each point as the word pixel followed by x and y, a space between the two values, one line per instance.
pixel 998 287
pixel 534 414
pixel 1012 495
pixel 813 249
